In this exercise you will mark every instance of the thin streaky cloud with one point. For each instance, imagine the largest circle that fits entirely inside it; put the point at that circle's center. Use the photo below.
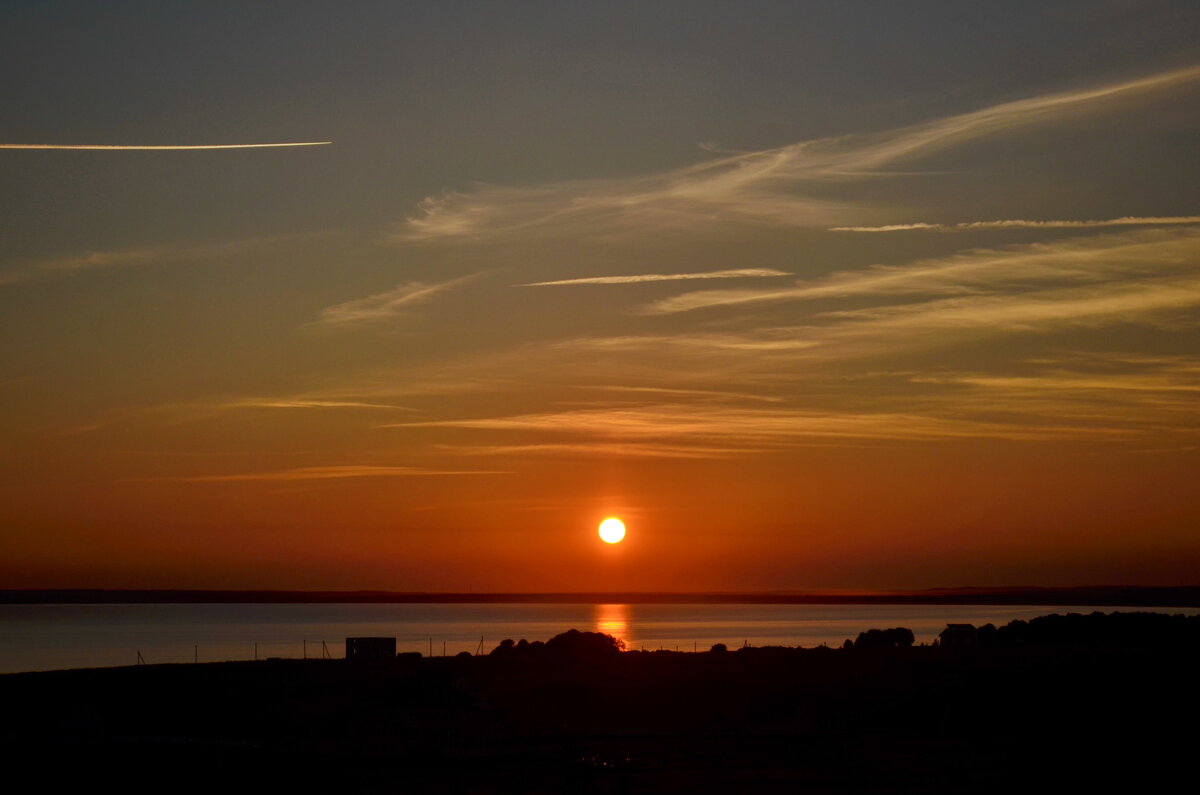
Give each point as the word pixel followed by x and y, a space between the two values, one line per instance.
pixel 122 258
pixel 741 273
pixel 761 427
pixel 1146 396
pixel 134 257
pixel 1104 375
pixel 1129 220
pixel 250 403
pixel 325 473
pixel 1072 382
pixel 767 341
pixel 168 147
pixel 700 393
pixel 1137 302
pixel 764 187
pixel 386 305
pixel 1080 259
pixel 615 449
pixel 895 145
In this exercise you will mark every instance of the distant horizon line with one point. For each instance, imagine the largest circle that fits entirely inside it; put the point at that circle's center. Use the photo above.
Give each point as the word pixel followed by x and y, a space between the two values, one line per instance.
pixel 1085 595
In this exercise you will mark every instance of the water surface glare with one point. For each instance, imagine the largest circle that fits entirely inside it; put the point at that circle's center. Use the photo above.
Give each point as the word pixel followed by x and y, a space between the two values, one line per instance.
pixel 47 637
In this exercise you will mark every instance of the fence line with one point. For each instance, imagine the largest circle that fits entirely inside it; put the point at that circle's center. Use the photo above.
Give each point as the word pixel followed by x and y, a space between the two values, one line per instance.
pixel 261 650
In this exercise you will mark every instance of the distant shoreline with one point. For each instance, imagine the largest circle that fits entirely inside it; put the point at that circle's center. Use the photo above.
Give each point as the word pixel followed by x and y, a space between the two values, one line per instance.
pixel 1091 596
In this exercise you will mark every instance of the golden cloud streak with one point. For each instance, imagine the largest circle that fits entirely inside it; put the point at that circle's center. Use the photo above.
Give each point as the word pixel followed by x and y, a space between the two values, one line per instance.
pixel 1081 259
pixel 325 473
pixel 768 427
pixel 765 187
pixel 1128 220
pixel 742 273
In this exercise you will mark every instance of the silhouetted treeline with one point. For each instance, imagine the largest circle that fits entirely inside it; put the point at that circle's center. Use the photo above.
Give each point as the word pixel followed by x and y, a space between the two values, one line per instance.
pixel 1093 630
pixel 884 638
pixel 1137 630
pixel 1064 703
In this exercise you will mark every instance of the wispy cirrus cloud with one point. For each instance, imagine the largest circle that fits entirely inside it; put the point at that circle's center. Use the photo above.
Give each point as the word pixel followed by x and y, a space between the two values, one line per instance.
pixel 1126 398
pixel 1105 374
pixel 1136 302
pixel 324 473
pixel 146 256
pixel 702 394
pixel 1149 395
pixel 306 403
pixel 1104 259
pixel 386 305
pixel 763 187
pixel 162 147
pixel 630 449
pixel 739 273
pixel 1128 220
pixel 767 427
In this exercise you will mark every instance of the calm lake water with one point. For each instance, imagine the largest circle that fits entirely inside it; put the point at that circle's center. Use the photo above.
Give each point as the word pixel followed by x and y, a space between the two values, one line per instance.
pixel 46 637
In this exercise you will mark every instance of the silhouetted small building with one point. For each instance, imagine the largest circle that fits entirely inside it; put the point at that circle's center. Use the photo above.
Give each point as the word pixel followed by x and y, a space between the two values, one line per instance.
pixel 370 648
pixel 959 635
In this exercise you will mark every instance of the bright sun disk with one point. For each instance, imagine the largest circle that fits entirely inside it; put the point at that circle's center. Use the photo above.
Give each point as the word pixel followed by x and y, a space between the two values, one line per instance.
pixel 612 530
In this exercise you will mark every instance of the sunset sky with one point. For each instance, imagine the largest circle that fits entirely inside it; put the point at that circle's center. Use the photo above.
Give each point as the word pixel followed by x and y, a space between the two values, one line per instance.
pixel 828 295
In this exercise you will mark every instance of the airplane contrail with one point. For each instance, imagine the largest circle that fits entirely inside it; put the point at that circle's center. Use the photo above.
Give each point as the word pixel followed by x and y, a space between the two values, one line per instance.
pixel 122 146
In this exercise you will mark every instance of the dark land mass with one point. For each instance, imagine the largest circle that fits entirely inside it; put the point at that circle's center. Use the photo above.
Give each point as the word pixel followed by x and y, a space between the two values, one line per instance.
pixel 1097 596
pixel 1063 703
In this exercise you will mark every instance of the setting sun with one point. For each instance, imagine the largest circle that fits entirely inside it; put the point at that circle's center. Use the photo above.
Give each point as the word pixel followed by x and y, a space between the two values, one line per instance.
pixel 612 530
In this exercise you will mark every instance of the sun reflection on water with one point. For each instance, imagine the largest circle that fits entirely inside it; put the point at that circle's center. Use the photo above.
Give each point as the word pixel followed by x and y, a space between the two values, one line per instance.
pixel 612 620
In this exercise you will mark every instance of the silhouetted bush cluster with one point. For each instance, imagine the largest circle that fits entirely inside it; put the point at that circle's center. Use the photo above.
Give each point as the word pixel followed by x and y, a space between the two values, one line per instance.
pixel 572 645
pixel 1144 630
pixel 884 638
pixel 1097 630
pixel 508 648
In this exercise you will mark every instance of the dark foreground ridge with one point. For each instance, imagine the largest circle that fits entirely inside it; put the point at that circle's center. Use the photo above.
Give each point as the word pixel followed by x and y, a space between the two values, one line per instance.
pixel 1092 595
pixel 1061 703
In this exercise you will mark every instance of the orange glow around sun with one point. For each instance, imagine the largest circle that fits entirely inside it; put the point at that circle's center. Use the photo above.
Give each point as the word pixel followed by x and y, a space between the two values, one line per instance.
pixel 612 530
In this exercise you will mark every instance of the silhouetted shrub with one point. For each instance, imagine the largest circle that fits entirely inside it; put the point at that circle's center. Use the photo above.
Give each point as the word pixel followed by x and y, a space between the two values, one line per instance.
pixel 718 648
pixel 581 645
pixel 505 649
